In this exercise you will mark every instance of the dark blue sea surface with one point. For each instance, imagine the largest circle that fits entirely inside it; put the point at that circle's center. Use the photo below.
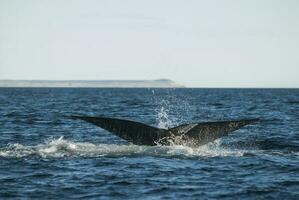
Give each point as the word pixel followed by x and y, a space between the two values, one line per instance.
pixel 44 155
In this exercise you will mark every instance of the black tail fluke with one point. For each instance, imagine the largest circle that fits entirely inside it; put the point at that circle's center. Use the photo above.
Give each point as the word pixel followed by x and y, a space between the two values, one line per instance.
pixel 142 134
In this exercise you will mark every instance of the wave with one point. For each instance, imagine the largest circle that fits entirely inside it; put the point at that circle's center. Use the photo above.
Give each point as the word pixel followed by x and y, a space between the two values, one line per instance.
pixel 61 147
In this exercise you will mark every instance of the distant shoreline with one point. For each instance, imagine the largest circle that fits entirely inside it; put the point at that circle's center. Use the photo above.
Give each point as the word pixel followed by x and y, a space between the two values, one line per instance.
pixel 160 83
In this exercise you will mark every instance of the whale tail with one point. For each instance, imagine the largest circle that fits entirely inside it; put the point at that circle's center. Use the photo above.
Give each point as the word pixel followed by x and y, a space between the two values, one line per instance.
pixel 142 134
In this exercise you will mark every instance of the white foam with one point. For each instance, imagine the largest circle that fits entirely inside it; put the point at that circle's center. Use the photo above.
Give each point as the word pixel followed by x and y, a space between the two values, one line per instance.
pixel 66 148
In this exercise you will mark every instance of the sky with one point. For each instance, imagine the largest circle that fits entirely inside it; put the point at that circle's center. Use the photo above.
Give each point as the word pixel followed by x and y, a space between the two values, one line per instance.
pixel 211 43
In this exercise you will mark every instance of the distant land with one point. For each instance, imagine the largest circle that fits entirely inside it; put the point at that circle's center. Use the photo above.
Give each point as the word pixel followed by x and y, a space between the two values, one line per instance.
pixel 160 83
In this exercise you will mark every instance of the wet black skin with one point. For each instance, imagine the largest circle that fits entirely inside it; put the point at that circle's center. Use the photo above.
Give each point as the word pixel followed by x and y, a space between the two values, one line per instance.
pixel 141 134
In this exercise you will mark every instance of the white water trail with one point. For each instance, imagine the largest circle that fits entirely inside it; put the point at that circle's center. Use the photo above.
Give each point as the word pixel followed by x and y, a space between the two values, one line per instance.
pixel 57 148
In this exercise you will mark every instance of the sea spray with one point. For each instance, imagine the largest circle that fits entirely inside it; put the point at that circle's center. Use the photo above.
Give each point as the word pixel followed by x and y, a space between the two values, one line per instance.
pixel 58 148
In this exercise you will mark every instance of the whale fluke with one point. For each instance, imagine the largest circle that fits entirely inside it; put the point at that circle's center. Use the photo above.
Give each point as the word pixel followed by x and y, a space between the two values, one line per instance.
pixel 141 134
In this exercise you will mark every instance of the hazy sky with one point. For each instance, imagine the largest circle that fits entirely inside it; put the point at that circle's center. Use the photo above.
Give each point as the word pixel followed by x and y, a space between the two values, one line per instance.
pixel 211 43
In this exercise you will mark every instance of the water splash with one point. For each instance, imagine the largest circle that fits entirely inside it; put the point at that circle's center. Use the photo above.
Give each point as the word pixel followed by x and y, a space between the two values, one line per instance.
pixel 170 107
pixel 57 148
pixel 163 119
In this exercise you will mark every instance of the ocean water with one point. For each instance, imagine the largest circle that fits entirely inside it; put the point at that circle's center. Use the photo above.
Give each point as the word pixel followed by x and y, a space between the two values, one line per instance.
pixel 44 155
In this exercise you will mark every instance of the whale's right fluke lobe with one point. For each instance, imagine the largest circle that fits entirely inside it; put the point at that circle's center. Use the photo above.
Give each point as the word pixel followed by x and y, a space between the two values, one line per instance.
pixel 135 132
pixel 142 134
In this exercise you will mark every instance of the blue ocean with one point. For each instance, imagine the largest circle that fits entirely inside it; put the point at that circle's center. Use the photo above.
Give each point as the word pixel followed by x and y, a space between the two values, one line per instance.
pixel 44 155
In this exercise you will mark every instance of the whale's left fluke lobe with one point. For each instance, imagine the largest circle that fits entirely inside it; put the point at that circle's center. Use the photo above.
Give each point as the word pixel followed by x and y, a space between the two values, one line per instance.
pixel 142 134
pixel 203 133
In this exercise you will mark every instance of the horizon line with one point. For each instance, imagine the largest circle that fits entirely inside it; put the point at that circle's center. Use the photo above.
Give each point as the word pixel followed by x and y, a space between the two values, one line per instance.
pixel 179 85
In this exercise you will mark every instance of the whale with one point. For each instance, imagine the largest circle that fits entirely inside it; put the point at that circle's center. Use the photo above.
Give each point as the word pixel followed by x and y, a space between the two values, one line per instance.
pixel 191 134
